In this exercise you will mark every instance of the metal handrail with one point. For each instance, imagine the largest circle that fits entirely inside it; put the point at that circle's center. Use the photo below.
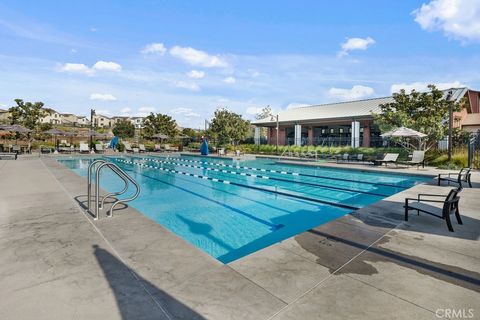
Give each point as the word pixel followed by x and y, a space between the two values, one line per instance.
pixel 89 178
pixel 121 174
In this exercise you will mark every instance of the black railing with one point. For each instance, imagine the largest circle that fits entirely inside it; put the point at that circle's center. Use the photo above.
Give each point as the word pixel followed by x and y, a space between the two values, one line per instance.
pixel 474 150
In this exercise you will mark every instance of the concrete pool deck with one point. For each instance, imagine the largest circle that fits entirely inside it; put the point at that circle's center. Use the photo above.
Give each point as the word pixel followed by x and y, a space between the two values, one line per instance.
pixel 57 263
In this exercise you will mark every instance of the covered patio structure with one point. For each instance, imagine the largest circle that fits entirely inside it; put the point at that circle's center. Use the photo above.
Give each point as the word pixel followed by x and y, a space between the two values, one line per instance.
pixel 348 123
pixel 336 124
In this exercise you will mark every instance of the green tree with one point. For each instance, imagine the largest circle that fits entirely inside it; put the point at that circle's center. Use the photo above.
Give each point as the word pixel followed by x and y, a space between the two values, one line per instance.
pixel 228 127
pixel 159 123
pixel 426 112
pixel 27 114
pixel 266 112
pixel 189 132
pixel 124 129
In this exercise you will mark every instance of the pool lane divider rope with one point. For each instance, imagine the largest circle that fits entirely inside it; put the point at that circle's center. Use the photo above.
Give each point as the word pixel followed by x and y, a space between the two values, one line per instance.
pixel 264 177
pixel 287 172
pixel 340 205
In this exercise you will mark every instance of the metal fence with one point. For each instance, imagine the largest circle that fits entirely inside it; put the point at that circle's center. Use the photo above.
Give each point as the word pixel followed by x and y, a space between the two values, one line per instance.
pixel 474 150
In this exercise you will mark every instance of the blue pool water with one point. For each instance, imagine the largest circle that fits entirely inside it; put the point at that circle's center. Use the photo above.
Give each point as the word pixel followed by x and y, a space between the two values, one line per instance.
pixel 230 209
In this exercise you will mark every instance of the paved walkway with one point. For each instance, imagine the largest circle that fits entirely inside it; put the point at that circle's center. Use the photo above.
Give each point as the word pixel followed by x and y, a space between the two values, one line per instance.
pixel 56 263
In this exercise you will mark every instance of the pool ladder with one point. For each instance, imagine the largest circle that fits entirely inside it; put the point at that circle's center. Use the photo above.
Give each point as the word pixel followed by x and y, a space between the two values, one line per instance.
pixel 98 165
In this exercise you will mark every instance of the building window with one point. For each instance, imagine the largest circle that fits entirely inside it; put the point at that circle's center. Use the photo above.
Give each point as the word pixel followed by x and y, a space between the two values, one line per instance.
pixel 340 130
pixel 332 130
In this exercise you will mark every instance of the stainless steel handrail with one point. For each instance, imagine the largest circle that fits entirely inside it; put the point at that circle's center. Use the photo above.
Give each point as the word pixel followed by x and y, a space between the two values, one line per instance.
pixel 89 177
pixel 112 194
pixel 137 189
pixel 121 174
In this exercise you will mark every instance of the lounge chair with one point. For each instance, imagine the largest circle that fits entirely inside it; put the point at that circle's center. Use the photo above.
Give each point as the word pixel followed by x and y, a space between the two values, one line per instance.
pixel 450 206
pixel 464 176
pixel 84 148
pixel 99 148
pixel 141 148
pixel 166 147
pixel 221 152
pixel 389 158
pixel 344 157
pixel 357 157
pixel 418 158
pixel 9 155
pixel 128 147
pixel 158 148
pixel 237 153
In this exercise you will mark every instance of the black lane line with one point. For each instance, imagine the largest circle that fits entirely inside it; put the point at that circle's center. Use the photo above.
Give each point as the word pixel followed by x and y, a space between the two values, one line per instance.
pixel 271 178
pixel 290 173
pixel 340 205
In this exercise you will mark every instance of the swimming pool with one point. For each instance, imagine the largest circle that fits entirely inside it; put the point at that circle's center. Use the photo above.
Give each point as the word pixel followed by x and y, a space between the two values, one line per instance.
pixel 230 209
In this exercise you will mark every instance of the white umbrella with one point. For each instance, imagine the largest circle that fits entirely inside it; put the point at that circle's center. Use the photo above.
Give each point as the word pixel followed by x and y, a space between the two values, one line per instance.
pixel 404 132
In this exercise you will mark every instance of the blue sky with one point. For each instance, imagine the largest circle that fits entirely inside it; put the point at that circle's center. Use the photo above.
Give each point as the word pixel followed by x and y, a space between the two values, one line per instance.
pixel 186 58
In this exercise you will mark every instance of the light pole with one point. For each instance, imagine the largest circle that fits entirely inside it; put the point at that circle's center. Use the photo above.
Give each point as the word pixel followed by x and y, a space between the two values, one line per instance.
pixel 92 114
pixel 272 118
pixel 450 125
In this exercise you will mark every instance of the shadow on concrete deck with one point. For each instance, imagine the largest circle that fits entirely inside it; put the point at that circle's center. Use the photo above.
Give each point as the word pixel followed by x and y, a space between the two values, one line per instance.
pixel 136 297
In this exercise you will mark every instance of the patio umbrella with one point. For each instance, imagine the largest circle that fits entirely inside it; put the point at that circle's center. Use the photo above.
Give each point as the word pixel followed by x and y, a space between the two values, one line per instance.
pixel 160 136
pixel 55 132
pixel 403 132
pixel 15 128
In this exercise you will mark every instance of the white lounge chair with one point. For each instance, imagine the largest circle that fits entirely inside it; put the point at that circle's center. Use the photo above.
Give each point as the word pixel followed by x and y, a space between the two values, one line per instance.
pixel 99 148
pixel 141 148
pixel 84 148
pixel 221 152
pixel 418 158
pixel 158 148
pixel 389 158
pixel 128 147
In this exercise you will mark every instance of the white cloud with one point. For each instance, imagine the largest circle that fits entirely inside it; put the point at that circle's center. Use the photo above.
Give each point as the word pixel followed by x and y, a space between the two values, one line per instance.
pixel 187 85
pixel 197 57
pixel 104 112
pixel 76 68
pixel 107 66
pixel 356 92
pixel 229 80
pixel 356 44
pixel 254 110
pixel 146 109
pixel 84 69
pixel 102 97
pixel 295 105
pixel 187 112
pixel 423 86
pixel 458 19
pixel 73 50
pixel 158 48
pixel 93 29
pixel 196 74
pixel 125 110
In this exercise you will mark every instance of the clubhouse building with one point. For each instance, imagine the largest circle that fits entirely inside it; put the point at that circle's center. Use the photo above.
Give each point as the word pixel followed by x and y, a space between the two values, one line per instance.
pixel 351 123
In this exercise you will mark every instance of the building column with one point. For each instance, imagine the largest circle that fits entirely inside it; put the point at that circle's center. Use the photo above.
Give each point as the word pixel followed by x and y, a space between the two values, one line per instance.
pixel 298 135
pixel 366 135
pixel 256 137
pixel 281 136
pixel 310 136
pixel 355 134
